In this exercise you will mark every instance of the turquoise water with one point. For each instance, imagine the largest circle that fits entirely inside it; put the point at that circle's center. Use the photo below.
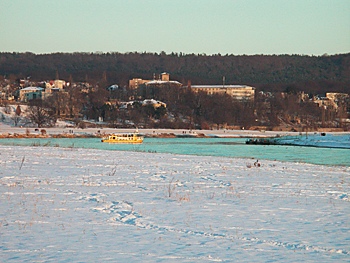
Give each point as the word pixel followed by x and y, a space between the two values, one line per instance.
pixel 227 147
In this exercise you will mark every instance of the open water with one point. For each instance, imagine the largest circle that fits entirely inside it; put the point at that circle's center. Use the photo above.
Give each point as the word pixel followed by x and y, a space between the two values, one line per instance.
pixel 227 147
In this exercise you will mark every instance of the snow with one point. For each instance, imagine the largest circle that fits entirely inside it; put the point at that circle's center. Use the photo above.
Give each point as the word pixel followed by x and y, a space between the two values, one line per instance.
pixel 85 205
pixel 221 86
pixel 8 116
pixel 33 89
pixel 162 82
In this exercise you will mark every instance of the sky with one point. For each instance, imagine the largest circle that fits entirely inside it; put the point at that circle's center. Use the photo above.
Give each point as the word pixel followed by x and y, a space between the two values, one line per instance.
pixel 305 27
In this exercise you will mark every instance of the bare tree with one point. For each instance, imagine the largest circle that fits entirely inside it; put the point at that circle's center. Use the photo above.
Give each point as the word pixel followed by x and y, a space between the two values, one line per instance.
pixel 41 113
pixel 59 101
pixel 17 118
pixel 96 99
pixel 75 101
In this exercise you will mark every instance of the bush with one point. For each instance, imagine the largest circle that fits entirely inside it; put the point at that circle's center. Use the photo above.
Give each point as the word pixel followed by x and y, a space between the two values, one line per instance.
pixel 82 125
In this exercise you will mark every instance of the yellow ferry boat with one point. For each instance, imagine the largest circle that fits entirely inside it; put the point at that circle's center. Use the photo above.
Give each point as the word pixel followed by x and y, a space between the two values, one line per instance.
pixel 123 138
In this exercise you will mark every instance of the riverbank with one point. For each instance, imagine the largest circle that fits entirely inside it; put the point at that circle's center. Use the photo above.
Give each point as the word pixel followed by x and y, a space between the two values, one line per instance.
pixel 7 131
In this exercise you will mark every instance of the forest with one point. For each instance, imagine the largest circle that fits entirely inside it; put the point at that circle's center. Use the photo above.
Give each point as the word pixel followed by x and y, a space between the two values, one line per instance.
pixel 312 74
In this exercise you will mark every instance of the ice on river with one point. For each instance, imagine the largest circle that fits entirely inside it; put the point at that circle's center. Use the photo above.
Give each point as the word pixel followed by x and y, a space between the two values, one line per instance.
pixel 84 205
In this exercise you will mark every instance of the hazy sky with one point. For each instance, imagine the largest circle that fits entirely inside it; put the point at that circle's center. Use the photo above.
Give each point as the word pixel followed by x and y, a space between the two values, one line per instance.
pixel 311 27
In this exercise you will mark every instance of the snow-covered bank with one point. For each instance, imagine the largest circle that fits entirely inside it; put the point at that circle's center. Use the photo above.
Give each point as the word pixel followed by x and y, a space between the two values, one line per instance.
pixel 6 129
pixel 82 205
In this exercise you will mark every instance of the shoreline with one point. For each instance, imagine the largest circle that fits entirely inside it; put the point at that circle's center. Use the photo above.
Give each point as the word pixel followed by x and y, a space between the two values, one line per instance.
pixel 7 131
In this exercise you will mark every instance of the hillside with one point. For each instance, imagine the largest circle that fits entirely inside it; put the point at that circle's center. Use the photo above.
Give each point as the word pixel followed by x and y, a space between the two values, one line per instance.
pixel 313 74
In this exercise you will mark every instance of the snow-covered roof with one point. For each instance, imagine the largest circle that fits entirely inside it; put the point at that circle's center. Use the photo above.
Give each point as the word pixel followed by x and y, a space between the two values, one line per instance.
pixel 33 89
pixel 113 87
pixel 159 82
pixel 124 105
pixel 151 101
pixel 221 86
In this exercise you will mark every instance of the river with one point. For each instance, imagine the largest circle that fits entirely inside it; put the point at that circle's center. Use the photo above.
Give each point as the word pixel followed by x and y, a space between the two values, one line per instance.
pixel 227 147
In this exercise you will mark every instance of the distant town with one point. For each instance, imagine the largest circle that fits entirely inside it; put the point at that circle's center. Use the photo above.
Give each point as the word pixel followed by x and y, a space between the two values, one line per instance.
pixel 176 91
pixel 160 102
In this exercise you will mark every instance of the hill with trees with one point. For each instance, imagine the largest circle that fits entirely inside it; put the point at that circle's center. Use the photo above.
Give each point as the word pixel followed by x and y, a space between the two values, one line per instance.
pixel 312 74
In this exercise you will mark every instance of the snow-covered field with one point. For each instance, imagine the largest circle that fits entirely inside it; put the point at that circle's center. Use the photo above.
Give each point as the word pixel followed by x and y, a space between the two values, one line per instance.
pixel 84 205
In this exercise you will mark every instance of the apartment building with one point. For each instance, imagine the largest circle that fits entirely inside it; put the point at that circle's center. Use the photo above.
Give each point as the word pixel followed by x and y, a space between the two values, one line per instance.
pixel 239 92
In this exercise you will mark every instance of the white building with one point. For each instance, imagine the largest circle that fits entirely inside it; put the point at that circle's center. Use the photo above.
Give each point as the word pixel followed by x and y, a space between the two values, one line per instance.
pixel 239 92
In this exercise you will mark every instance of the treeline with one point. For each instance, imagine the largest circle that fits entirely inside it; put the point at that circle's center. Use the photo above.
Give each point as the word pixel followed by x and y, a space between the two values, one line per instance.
pixel 312 74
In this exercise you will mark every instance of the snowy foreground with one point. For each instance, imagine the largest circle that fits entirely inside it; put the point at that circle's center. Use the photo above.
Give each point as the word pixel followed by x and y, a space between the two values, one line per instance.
pixel 81 205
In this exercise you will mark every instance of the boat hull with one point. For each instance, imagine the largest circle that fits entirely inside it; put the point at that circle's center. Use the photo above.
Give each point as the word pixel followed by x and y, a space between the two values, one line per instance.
pixel 123 139
pixel 119 141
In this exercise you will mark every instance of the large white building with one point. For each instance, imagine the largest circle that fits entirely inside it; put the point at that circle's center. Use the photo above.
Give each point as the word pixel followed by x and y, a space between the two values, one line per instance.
pixel 239 92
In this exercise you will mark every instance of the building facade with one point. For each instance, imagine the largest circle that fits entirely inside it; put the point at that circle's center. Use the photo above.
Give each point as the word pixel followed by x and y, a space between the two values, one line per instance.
pixel 239 92
pixel 135 83
pixel 30 93
pixel 162 80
